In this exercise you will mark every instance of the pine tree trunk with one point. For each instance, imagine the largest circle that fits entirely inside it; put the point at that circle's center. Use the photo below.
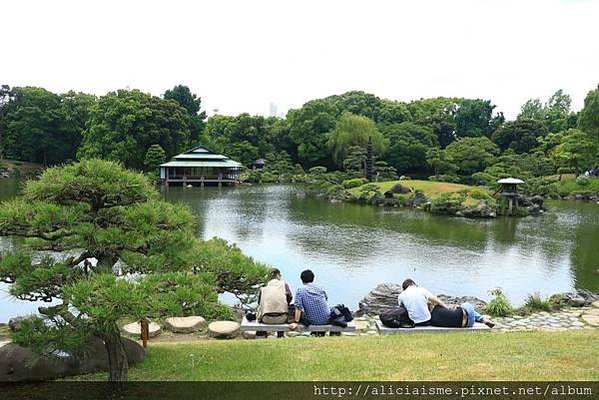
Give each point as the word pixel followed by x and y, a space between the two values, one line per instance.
pixel 118 366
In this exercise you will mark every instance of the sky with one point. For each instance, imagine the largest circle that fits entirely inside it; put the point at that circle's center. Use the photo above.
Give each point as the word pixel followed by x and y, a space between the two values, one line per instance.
pixel 239 56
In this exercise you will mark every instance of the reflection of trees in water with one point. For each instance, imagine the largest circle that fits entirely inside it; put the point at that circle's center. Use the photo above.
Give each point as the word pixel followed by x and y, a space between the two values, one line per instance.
pixel 585 249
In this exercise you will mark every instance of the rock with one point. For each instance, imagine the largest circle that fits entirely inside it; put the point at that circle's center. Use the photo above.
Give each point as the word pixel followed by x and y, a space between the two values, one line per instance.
pixel 248 334
pixel 377 199
pixel 482 210
pixel 185 324
pixel 399 189
pixel 134 329
pixel 21 364
pixel 15 323
pixel 537 199
pixel 223 329
pixel 419 199
pixel 384 297
pixel 591 319
pixel 595 304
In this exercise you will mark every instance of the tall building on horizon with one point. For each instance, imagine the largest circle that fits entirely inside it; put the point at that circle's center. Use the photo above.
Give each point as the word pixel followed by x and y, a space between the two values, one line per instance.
pixel 273 110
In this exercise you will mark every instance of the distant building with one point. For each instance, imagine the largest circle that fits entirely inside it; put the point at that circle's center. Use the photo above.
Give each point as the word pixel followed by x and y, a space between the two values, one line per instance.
pixel 200 166
pixel 259 163
pixel 273 110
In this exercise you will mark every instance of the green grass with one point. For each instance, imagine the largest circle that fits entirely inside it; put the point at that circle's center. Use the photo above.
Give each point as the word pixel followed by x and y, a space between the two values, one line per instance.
pixel 431 189
pixel 451 356
pixel 569 186
pixel 23 166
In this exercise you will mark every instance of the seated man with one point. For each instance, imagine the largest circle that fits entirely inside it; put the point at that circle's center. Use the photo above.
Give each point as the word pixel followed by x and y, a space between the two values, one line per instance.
pixel 310 303
pixel 416 301
pixel 273 302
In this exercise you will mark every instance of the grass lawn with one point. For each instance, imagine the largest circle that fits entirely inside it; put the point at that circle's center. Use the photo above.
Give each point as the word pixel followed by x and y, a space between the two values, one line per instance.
pixel 23 166
pixel 429 188
pixel 568 186
pixel 451 356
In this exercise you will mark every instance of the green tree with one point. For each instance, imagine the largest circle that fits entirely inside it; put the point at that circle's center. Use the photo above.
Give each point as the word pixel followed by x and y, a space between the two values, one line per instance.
pixel 472 155
pixel 309 127
pixel 520 135
pixel 474 118
pixel 438 161
pixel 34 129
pixel 438 114
pixel 124 124
pixel 588 120
pixel 154 157
pixel 7 101
pixel 98 209
pixel 354 130
pixel 409 144
pixel 189 101
pixel 356 156
pixel 532 109
pixel 578 150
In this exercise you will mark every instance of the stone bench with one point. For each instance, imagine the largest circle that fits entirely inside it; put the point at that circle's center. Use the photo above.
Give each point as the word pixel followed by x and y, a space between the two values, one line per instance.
pixel 384 330
pixel 257 326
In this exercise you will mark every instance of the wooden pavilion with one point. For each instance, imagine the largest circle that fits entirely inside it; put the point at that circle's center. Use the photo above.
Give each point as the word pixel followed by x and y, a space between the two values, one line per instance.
pixel 200 166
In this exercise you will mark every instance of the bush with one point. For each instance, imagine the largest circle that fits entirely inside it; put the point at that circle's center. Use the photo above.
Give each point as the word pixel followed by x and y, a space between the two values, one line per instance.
pixel 582 180
pixel 448 203
pixel 565 170
pixel 444 178
pixel 352 183
pixel 534 302
pixel 482 178
pixel 499 306
pixel 317 170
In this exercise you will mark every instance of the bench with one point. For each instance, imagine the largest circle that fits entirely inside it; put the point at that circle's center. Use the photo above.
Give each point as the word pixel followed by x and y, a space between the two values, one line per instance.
pixel 384 330
pixel 257 326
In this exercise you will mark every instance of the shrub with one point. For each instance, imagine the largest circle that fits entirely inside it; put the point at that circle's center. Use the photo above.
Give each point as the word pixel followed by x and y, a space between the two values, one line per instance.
pixel 317 170
pixel 448 203
pixel 482 178
pixel 582 180
pixel 352 183
pixel 565 170
pixel 499 306
pixel 534 302
pixel 444 178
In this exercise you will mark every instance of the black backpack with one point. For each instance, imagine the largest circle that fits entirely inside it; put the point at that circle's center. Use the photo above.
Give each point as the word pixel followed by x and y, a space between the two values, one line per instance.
pixel 396 318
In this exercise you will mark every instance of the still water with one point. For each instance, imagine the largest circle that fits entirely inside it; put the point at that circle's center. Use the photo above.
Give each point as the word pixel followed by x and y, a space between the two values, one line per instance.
pixel 353 248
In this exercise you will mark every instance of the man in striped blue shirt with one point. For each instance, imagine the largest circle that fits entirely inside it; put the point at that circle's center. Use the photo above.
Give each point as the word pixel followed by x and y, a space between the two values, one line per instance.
pixel 310 303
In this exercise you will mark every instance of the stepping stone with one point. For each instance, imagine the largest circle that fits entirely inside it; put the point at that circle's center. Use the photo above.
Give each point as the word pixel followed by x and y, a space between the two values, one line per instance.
pixel 577 323
pixel 591 319
pixel 4 342
pixel 595 304
pixel 348 334
pixel 292 334
pixel 593 311
pixel 361 326
pixel 134 329
pixel 224 329
pixel 185 324
pixel 248 334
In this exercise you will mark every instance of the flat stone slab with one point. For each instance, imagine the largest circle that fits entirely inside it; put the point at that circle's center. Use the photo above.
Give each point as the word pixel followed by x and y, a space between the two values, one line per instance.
pixel 257 326
pixel 384 330
pixel 224 329
pixel 134 329
pixel 595 304
pixel 185 324
pixel 4 342
pixel 591 319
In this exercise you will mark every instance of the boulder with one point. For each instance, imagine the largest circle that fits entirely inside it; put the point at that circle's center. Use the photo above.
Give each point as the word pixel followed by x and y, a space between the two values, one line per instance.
pixel 223 329
pixel 134 329
pixel 22 364
pixel 248 334
pixel 384 297
pixel 185 324
pixel 419 199
pixel 482 210
pixel 399 189
pixel 595 304
pixel 15 323
pixel 580 298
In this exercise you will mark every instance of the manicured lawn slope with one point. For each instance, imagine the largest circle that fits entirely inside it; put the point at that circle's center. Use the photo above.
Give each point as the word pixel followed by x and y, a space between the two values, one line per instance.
pixel 431 189
pixel 454 356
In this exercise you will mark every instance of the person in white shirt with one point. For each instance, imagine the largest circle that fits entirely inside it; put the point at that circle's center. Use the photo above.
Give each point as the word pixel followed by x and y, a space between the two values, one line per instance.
pixel 416 300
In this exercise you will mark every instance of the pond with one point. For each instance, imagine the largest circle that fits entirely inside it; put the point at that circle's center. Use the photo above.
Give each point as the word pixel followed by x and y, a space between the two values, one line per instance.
pixel 352 248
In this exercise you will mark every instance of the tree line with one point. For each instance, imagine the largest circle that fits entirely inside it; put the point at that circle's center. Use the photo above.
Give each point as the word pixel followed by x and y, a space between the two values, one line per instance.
pixel 452 139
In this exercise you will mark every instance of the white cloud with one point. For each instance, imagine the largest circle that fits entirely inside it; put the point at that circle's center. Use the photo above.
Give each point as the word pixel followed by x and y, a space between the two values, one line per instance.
pixel 241 55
